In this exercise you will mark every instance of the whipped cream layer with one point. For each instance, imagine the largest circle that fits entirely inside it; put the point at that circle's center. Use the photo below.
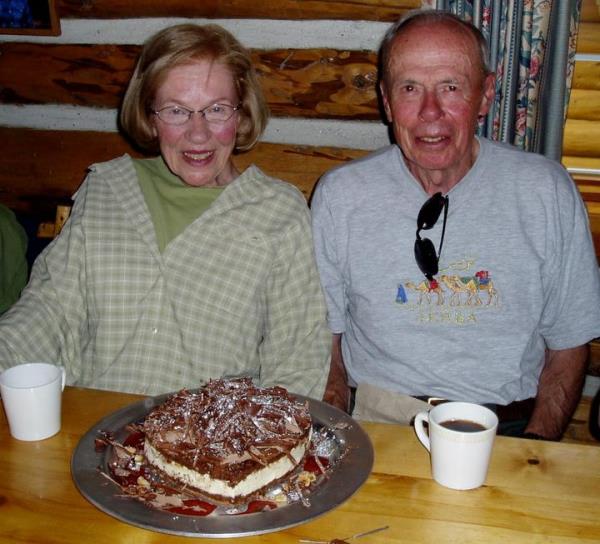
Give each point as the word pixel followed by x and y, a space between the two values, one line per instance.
pixel 253 482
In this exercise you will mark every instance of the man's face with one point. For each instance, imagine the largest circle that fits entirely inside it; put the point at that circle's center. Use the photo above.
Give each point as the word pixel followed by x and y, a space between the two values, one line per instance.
pixel 433 95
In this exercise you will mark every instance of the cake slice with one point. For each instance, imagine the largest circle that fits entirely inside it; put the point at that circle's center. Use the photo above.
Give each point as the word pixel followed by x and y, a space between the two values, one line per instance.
pixel 230 439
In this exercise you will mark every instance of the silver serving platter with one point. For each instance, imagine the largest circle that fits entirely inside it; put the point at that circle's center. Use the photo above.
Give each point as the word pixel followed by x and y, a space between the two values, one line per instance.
pixel 353 466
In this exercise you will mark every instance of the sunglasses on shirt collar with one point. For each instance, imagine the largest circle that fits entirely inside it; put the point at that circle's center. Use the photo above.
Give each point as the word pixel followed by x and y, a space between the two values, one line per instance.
pixel 425 254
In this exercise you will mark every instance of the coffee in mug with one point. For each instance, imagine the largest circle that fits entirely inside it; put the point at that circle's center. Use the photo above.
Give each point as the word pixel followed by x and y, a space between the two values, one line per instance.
pixel 459 439
pixel 463 425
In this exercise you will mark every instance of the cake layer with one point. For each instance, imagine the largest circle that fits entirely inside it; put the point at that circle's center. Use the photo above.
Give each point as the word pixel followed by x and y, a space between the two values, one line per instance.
pixel 253 482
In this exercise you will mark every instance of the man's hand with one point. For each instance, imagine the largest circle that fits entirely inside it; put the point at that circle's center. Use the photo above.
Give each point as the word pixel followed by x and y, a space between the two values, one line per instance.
pixel 337 392
pixel 559 391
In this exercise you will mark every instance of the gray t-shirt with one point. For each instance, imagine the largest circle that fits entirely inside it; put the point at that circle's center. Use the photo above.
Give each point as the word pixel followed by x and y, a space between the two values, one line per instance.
pixel 517 273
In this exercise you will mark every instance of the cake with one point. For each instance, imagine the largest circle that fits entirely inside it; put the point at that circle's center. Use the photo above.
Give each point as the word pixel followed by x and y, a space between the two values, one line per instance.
pixel 230 439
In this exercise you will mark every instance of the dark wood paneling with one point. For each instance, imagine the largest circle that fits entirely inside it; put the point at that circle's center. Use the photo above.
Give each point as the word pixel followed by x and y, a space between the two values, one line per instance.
pixel 41 168
pixel 314 83
pixel 85 75
pixel 368 10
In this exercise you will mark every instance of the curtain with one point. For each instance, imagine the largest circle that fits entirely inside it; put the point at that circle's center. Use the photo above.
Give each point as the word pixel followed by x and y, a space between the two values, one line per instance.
pixel 532 47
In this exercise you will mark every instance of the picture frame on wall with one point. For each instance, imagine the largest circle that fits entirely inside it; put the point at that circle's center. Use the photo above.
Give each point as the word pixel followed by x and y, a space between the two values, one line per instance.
pixel 33 17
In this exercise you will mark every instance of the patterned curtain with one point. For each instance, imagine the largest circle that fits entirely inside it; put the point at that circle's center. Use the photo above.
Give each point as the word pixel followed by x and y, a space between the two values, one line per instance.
pixel 532 46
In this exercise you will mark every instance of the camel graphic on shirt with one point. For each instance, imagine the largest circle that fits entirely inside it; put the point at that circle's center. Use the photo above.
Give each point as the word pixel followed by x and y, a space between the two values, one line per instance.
pixel 425 290
pixel 460 290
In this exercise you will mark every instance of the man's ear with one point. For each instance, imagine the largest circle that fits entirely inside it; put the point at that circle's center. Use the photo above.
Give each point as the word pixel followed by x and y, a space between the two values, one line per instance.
pixel 385 100
pixel 489 94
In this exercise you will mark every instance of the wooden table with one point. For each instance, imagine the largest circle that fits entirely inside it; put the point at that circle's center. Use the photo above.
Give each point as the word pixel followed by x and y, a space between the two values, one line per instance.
pixel 535 492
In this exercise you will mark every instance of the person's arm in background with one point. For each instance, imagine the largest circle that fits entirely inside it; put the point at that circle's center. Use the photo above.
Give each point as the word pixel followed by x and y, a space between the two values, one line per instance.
pixel 337 392
pixel 13 260
pixel 559 391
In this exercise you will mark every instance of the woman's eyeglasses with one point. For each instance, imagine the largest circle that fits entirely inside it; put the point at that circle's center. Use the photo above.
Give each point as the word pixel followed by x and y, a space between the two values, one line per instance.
pixel 178 115
pixel 425 254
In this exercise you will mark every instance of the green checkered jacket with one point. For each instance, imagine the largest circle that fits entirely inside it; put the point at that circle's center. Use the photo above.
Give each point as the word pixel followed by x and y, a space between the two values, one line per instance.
pixel 236 294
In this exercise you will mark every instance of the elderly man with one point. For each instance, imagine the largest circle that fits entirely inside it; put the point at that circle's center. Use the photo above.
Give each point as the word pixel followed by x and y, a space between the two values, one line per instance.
pixel 503 314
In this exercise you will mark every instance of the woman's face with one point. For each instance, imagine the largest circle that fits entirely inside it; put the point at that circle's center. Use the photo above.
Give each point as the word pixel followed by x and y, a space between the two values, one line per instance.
pixel 198 152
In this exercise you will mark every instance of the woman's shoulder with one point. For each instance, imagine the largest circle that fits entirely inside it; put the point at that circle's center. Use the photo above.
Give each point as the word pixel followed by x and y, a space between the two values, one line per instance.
pixel 266 204
pixel 115 179
pixel 123 164
pixel 259 184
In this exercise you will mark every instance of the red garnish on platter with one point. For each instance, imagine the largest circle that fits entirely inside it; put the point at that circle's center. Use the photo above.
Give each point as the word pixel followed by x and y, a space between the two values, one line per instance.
pixel 311 464
pixel 193 507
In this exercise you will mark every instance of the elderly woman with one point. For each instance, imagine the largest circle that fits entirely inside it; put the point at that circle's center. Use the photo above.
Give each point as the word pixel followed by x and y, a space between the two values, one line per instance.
pixel 177 269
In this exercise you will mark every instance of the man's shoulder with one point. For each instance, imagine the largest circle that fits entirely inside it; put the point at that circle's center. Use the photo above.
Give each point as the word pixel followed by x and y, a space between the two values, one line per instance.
pixel 531 176
pixel 525 169
pixel 507 154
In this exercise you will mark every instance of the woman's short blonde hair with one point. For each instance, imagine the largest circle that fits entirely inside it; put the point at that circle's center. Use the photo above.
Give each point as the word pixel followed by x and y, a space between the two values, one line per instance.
pixel 182 44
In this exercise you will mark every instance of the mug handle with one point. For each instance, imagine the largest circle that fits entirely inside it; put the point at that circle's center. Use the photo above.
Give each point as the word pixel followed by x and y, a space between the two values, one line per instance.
pixel 420 419
pixel 64 377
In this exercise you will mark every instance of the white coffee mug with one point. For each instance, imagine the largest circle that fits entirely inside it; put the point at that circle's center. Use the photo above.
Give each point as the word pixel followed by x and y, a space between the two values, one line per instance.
pixel 32 394
pixel 459 440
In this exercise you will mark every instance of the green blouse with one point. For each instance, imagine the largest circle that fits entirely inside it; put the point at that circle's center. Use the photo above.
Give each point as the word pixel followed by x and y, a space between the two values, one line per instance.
pixel 173 205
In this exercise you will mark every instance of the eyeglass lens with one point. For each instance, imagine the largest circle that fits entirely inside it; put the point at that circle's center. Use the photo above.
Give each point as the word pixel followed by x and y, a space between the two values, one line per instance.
pixel 425 255
pixel 177 115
